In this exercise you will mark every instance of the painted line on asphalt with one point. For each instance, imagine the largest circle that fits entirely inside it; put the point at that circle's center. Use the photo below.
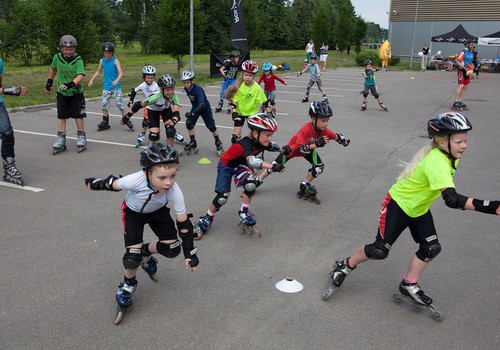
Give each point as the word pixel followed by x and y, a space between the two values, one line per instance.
pixel 26 188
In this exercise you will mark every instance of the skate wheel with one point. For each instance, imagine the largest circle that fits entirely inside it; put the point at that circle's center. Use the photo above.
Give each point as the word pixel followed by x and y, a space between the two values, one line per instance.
pixel 397 298
pixel 154 278
pixel 436 314
pixel 119 315
pixel 330 288
pixel 257 231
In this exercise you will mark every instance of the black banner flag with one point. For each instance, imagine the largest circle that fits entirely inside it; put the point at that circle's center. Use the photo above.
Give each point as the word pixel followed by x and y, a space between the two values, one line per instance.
pixel 238 29
pixel 216 61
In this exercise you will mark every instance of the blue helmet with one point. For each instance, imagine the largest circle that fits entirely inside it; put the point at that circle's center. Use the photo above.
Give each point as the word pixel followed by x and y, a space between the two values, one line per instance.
pixel 313 56
pixel 267 66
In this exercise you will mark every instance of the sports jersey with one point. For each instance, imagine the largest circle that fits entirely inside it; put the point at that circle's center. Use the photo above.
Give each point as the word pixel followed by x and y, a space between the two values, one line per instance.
pixel 158 99
pixel 1 72
pixel 67 70
pixel 148 90
pixel 416 194
pixel 369 77
pixel 466 57
pixel 110 74
pixel 237 154
pixel 143 198
pixel 269 84
pixel 198 98
pixel 307 135
pixel 230 69
pixel 248 99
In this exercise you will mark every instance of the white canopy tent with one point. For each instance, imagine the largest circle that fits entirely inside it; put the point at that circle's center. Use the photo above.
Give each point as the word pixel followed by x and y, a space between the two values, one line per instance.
pixel 490 40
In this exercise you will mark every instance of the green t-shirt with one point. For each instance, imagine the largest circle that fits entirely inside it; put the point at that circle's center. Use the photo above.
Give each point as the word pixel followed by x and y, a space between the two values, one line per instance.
pixel 248 99
pixel 159 100
pixel 67 70
pixel 416 194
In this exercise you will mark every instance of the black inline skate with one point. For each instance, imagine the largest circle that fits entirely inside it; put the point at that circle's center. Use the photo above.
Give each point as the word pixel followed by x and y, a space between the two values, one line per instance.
pixel 340 271
pixel 308 192
pixel 104 124
pixel 412 293
pixel 306 98
pixel 191 147
pixel 219 147
pixel 11 172
pixel 363 106
pixel 219 106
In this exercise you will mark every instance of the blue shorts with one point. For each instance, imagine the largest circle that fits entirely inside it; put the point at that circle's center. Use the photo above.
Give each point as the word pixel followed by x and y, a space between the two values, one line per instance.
pixel 224 176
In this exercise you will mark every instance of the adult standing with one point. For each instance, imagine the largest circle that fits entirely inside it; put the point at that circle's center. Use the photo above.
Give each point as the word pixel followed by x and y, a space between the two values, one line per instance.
pixel 309 49
pixel 465 69
pixel 425 57
pixel 475 61
pixel 323 54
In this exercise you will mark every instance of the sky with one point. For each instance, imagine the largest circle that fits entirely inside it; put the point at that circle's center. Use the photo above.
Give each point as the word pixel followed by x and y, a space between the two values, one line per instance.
pixel 373 11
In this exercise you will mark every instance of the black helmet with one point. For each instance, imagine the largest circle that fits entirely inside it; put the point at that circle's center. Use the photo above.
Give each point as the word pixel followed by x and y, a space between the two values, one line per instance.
pixel 320 109
pixel 234 54
pixel 108 46
pixel 368 62
pixel 166 80
pixel 448 123
pixel 158 153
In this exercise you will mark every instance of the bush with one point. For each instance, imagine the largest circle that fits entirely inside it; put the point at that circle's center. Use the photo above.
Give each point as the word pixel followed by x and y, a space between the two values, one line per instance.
pixel 368 55
pixel 394 61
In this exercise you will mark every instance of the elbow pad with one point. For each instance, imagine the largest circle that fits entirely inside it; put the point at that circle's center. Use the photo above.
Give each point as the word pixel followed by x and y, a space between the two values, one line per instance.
pixel 454 200
pixel 305 149
pixel 255 162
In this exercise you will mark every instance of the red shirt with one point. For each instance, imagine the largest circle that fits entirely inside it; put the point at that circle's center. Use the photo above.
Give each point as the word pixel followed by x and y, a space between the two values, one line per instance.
pixel 269 84
pixel 306 136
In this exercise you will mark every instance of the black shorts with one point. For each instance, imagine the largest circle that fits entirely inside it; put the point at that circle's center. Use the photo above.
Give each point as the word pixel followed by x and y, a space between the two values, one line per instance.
pixel 154 117
pixel 393 221
pixel 70 106
pixel 160 222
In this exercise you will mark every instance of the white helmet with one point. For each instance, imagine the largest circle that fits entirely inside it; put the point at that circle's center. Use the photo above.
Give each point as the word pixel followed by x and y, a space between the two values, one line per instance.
pixel 187 75
pixel 148 70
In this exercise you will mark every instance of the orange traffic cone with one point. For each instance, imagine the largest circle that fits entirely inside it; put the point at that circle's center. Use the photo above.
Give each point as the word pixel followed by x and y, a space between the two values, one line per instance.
pixel 437 77
pixel 487 78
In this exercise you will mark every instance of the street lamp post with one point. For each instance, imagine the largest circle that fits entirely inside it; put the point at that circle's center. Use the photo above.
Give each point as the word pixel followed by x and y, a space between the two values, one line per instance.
pixel 191 36
pixel 414 29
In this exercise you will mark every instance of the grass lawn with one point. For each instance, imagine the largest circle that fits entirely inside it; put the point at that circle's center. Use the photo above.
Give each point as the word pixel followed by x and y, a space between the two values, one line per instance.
pixel 132 62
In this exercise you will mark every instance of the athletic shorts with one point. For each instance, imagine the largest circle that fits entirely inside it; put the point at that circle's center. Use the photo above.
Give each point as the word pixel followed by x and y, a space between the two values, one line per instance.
pixel 70 106
pixel 462 78
pixel 154 117
pixel 106 99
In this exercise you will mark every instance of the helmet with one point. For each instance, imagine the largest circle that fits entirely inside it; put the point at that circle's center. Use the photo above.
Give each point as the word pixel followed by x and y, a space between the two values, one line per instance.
pixel 108 46
pixel 267 66
pixel 250 67
pixel 187 75
pixel 68 41
pixel 320 109
pixel 158 153
pixel 448 123
pixel 368 62
pixel 166 80
pixel 313 56
pixel 234 54
pixel 148 70
pixel 262 121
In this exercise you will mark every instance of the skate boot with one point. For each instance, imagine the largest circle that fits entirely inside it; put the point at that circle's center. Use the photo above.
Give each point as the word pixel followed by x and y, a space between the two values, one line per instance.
pixel 180 139
pixel 191 147
pixel 340 271
pixel 11 172
pixel 363 106
pixel 140 139
pixel 60 144
pixel 325 99
pixel 456 106
pixel 384 107
pixel 149 265
pixel 130 125
pixel 219 106
pixel 125 293
pixel 235 138
pixel 202 226
pixel 219 147
pixel 413 291
pixel 463 106
pixel 308 192
pixel 81 143
pixel 247 223
pixel 305 99
pixel 104 124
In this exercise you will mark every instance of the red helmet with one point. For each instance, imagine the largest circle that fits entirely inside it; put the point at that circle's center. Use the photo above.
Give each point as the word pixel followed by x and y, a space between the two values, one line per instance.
pixel 262 121
pixel 249 66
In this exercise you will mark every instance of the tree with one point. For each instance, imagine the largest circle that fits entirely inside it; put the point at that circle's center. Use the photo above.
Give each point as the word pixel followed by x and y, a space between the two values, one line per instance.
pixel 216 28
pixel 324 23
pixel 344 25
pixel 303 13
pixel 358 33
pixel 141 24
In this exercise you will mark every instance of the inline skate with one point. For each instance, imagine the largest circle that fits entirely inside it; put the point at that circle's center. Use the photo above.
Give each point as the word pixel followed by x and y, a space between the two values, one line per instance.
pixel 412 293
pixel 247 223
pixel 308 192
pixel 104 124
pixel 191 147
pixel 219 106
pixel 140 139
pixel 219 147
pixel 305 99
pixel 363 106
pixel 81 142
pixel 11 172
pixel 180 139
pixel 235 138
pixel 325 99
pixel 149 264
pixel 383 106
pixel 459 106
pixel 335 279
pixel 126 121
pixel 124 295
pixel 60 144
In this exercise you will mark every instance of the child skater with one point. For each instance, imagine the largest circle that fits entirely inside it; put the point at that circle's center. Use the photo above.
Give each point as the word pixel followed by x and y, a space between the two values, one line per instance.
pixel 111 85
pixel 149 191
pixel 428 175
pixel 268 77
pixel 167 102
pixel 305 143
pixel 200 106
pixel 245 96
pixel 229 71
pixel 370 86
pixel 313 67
pixel 238 162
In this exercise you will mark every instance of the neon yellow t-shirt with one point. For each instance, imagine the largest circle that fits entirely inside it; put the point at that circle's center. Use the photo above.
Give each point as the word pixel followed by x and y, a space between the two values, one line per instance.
pixel 416 194
pixel 248 99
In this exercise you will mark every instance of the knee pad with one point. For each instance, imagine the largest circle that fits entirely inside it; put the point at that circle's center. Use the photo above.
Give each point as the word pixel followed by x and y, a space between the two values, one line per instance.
pixel 249 188
pixel 154 136
pixel 190 125
pixel 376 94
pixel 239 122
pixel 317 170
pixel 377 250
pixel 427 252
pixel 212 129
pixel 220 199
pixel 8 137
pixel 365 94
pixel 170 131
pixel 132 258
pixel 170 250
pixel 145 123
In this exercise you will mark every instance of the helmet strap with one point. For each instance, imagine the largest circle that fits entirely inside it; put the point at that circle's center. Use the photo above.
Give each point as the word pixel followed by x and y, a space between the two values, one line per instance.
pixel 448 153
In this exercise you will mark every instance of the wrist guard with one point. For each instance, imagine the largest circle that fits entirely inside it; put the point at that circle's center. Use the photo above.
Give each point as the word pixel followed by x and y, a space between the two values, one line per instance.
pixel 232 105
pixel 136 106
pixel 342 140
pixel 273 147
pixel 187 241
pixel 70 84
pixel 177 115
pixel 48 86
pixel 100 184
pixel 14 90
pixel 320 142
pixel 286 150
pixel 277 168
pixel 485 206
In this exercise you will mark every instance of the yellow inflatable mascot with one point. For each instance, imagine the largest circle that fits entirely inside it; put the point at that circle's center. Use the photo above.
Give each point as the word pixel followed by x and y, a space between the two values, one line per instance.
pixel 384 53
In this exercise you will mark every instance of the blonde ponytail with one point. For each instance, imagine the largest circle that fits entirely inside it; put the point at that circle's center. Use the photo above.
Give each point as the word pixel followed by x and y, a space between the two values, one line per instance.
pixel 409 167
pixel 233 89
